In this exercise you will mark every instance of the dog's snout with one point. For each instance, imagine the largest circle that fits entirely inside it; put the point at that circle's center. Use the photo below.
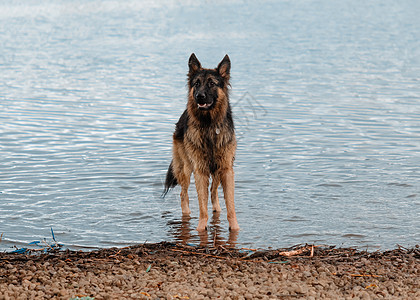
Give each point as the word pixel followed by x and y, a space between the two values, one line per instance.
pixel 200 96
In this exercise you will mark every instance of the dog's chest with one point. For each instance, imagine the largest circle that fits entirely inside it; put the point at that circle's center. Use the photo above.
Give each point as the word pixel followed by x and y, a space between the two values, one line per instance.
pixel 208 139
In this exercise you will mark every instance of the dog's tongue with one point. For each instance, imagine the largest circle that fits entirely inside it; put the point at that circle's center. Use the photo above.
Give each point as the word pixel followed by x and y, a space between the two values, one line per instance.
pixel 204 105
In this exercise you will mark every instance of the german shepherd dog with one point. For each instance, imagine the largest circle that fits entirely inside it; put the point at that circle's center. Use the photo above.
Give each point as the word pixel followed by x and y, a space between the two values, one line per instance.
pixel 204 142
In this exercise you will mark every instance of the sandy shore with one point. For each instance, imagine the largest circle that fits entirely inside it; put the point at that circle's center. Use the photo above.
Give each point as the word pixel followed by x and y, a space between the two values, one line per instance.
pixel 174 271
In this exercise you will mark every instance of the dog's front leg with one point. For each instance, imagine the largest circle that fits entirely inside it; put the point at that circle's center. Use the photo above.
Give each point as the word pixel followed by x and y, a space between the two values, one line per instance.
pixel 228 184
pixel 202 186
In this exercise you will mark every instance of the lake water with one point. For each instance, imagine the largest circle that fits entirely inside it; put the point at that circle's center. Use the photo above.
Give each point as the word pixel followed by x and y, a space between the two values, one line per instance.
pixel 326 97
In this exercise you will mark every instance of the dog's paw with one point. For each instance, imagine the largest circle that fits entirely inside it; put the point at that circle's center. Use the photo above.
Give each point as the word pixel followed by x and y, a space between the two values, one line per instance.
pixel 234 227
pixel 202 226
pixel 186 212
pixel 202 229
pixel 217 209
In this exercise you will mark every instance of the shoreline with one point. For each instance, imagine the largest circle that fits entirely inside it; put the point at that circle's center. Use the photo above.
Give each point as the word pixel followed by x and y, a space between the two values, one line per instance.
pixel 179 271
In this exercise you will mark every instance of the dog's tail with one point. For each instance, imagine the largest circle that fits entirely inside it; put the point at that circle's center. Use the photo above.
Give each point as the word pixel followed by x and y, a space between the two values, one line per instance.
pixel 170 181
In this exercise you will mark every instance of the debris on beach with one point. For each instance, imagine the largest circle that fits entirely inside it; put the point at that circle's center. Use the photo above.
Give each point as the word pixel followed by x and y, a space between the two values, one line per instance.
pixel 180 271
pixel 43 246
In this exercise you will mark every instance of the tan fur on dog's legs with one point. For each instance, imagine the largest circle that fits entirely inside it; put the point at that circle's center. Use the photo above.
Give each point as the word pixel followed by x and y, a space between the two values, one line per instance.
pixel 202 185
pixel 228 184
pixel 185 183
pixel 182 170
pixel 214 196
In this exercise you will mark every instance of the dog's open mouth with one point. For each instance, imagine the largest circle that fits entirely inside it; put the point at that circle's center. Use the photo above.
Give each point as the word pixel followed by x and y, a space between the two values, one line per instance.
pixel 204 105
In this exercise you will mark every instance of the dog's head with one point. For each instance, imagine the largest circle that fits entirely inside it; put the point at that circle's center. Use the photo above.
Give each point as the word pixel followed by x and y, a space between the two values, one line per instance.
pixel 205 85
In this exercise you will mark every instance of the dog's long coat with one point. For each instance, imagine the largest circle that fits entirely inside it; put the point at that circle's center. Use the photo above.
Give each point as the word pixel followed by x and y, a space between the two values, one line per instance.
pixel 204 142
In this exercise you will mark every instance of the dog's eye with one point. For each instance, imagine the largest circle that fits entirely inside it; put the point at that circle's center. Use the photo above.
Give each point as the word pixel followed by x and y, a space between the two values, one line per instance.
pixel 211 83
pixel 197 83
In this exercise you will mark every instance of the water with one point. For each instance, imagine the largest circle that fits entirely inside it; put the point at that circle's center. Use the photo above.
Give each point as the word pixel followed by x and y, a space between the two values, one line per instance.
pixel 326 101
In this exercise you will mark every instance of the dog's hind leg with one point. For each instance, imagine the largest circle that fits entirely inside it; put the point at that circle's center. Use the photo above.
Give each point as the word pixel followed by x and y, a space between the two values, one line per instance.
pixel 182 169
pixel 228 184
pixel 214 195
pixel 184 181
pixel 202 185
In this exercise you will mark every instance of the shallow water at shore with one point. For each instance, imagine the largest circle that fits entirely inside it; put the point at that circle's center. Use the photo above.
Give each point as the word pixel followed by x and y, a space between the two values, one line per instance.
pixel 326 103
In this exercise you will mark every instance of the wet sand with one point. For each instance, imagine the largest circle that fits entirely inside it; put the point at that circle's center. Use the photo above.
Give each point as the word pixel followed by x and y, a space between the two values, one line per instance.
pixel 177 271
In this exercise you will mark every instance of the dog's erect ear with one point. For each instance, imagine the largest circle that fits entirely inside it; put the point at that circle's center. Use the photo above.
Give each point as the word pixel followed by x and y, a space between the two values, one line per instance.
pixel 224 67
pixel 193 64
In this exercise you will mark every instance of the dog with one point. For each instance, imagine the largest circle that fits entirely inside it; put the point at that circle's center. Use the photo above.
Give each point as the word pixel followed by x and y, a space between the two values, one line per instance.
pixel 204 142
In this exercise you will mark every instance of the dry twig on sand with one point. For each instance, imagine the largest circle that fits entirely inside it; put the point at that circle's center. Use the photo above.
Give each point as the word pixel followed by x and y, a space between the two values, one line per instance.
pixel 299 251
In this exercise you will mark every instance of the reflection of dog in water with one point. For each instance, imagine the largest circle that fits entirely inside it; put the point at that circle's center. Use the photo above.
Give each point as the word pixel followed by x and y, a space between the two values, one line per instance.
pixel 215 236
pixel 204 142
